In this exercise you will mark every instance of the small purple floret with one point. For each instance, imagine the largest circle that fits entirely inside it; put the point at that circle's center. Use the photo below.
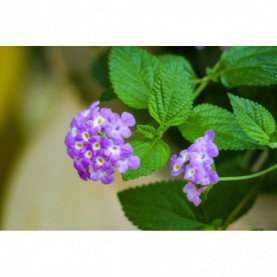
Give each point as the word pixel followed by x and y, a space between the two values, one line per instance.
pixel 196 163
pixel 96 145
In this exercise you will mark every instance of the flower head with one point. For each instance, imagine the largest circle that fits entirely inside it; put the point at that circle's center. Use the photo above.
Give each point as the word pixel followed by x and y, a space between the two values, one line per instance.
pixel 196 163
pixel 96 145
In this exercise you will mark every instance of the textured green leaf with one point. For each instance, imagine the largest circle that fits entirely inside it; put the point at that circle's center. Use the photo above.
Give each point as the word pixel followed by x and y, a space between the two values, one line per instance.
pixel 153 154
pixel 269 64
pixel 160 206
pixel 132 74
pixel 242 65
pixel 256 121
pixel 147 131
pixel 170 101
pixel 108 94
pixel 167 59
pixel 228 133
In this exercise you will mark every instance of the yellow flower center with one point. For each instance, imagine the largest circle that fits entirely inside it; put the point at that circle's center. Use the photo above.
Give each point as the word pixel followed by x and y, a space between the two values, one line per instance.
pixel 86 136
pixel 96 145
pixel 100 160
pixel 88 154
pixel 176 167
pixel 79 145
pixel 191 171
pixel 99 120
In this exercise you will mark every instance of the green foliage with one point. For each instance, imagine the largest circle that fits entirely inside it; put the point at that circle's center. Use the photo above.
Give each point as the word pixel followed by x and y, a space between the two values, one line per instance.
pixel 153 154
pixel 167 59
pixel 228 133
pixel 256 121
pixel 269 64
pixel 147 131
pixel 170 101
pixel 164 205
pixel 108 94
pixel 160 206
pixel 242 65
pixel 224 197
pixel 132 74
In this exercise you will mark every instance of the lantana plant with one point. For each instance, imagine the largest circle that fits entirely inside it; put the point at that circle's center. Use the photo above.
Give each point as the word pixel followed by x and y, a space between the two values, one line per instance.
pixel 166 87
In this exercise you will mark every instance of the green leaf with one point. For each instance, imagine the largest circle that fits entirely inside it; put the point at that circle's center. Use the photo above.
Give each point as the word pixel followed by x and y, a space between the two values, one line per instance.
pixel 228 133
pixel 153 154
pixel 108 94
pixel 160 206
pixel 273 140
pixel 147 131
pixel 170 101
pixel 132 74
pixel 269 64
pixel 242 65
pixel 167 59
pixel 256 121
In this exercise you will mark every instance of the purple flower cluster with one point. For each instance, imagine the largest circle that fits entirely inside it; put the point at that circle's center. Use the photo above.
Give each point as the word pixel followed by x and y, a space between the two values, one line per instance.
pixel 196 162
pixel 96 145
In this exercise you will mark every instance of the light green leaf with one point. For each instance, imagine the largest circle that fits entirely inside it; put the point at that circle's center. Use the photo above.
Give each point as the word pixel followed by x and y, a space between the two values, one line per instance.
pixel 147 131
pixel 132 74
pixel 242 65
pixel 228 133
pixel 153 154
pixel 256 121
pixel 160 206
pixel 170 101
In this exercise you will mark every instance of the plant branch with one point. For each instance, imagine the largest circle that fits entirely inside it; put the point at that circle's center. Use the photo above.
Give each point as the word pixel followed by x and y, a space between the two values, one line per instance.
pixel 236 178
pixel 204 82
pixel 242 204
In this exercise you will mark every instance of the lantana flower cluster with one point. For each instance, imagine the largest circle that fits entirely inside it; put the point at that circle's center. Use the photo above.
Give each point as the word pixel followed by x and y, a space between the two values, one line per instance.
pixel 96 143
pixel 196 163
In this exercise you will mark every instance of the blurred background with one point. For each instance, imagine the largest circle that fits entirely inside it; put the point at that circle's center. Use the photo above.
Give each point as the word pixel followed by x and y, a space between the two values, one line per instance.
pixel 41 90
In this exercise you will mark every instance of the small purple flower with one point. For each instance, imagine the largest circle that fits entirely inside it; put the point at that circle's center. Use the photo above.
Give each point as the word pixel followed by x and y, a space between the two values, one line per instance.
pixel 125 163
pixel 196 163
pixel 192 193
pixel 103 174
pixel 96 145
pixel 119 127
pixel 177 165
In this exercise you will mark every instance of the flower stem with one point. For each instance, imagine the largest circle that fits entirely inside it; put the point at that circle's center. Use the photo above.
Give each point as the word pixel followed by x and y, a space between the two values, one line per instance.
pixel 204 82
pixel 236 178
pixel 242 204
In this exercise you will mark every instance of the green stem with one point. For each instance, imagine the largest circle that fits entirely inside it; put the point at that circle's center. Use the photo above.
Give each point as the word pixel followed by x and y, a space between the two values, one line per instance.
pixel 204 82
pixel 236 178
pixel 242 204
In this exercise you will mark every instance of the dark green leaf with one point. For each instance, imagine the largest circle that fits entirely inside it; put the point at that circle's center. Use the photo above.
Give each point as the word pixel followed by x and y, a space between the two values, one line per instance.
pixel 100 70
pixel 224 197
pixel 242 65
pixel 160 206
pixel 108 94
